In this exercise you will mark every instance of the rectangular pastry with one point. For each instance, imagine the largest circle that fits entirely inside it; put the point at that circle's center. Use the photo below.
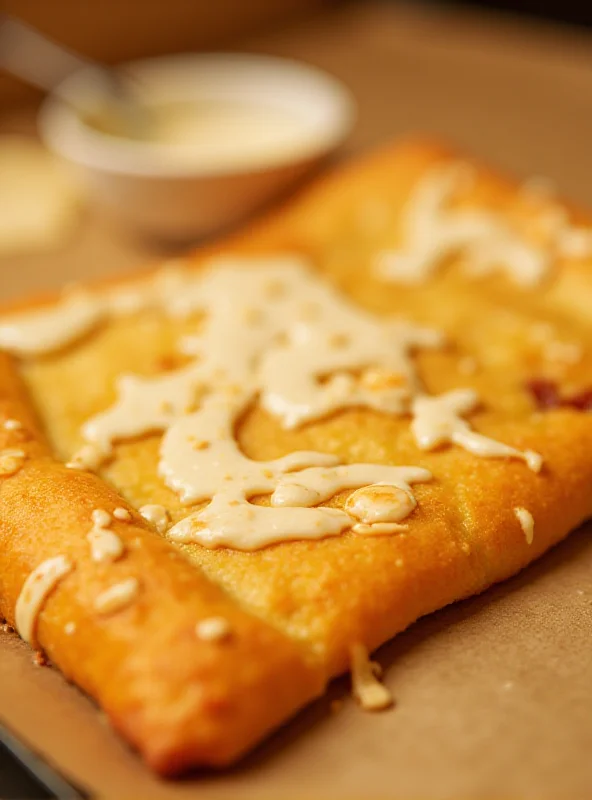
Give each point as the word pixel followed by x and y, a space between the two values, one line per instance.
pixel 226 481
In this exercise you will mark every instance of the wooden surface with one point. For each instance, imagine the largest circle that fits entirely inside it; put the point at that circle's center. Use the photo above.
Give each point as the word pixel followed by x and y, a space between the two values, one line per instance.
pixel 493 695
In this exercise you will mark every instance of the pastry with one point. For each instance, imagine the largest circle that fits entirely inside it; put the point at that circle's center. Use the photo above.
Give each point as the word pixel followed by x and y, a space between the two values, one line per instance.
pixel 229 480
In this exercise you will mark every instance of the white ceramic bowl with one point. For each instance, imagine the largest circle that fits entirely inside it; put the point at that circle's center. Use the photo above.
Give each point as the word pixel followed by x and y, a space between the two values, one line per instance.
pixel 177 200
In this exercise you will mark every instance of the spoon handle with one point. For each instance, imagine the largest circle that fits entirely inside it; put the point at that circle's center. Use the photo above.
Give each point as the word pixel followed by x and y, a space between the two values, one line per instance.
pixel 42 62
pixel 34 58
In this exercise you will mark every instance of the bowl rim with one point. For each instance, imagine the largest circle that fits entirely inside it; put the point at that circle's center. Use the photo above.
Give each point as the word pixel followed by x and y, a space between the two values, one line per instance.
pixel 64 132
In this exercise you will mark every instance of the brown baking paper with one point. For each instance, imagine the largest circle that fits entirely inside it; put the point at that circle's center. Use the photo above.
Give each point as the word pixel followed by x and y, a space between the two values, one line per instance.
pixel 494 694
pixel 493 700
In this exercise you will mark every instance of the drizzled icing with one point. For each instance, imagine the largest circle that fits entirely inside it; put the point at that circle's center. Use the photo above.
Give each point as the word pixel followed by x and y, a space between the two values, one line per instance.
pixel 45 330
pixel 37 587
pixel 277 330
pixel 213 629
pixel 12 425
pixel 272 331
pixel 367 689
pixel 232 521
pixel 117 597
pixel 576 243
pixel 526 521
pixel 11 460
pixel 275 333
pixel 438 420
pixel 379 508
pixel 432 231
pixel 156 515
pixel 106 546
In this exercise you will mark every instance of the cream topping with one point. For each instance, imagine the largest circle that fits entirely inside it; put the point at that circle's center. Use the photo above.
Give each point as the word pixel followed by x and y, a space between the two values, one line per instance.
pixel 367 689
pixel 432 232
pixel 156 515
pixel 438 420
pixel 277 330
pixel 575 243
pixel 12 425
pixel 228 478
pixel 11 460
pixel 380 504
pixel 45 330
pixel 275 333
pixel 36 588
pixel 526 521
pixel 101 518
pixel 122 514
pixel 213 629
pixel 117 597
pixel 106 546
pixel 88 457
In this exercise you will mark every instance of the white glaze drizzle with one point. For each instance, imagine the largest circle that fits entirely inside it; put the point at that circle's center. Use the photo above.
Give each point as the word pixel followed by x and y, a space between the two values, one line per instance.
pixel 45 330
pixel 438 420
pixel 37 587
pixel 575 243
pixel 106 546
pixel 275 332
pixel 213 629
pixel 50 328
pixel 526 521
pixel 117 597
pixel 156 515
pixel 88 457
pixel 271 330
pixel 380 503
pixel 274 329
pixel 569 241
pixel 11 460
pixel 12 425
pixel 367 689
pixel 433 232
pixel 227 477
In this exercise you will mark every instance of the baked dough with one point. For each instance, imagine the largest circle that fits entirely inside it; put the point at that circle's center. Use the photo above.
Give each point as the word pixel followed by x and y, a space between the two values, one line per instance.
pixel 196 652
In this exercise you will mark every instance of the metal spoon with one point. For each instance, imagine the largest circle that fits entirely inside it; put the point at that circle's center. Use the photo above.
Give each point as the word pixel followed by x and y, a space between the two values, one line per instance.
pixel 42 62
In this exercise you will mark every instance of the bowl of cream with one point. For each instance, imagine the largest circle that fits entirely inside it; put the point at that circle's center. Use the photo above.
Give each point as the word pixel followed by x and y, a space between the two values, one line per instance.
pixel 223 135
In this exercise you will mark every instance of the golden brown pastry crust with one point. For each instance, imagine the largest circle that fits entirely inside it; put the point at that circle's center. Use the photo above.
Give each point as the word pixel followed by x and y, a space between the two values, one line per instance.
pixel 296 608
pixel 179 699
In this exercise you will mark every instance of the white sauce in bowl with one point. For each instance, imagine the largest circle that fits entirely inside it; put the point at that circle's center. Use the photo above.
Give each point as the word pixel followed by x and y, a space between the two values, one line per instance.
pixel 214 133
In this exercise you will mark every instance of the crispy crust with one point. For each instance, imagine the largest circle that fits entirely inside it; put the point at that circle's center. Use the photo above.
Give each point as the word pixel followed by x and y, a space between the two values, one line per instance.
pixel 179 699
pixel 296 608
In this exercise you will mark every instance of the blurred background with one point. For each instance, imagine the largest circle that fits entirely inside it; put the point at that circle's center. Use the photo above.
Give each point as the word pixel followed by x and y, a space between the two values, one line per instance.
pixel 574 11
pixel 509 80
pixel 113 30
